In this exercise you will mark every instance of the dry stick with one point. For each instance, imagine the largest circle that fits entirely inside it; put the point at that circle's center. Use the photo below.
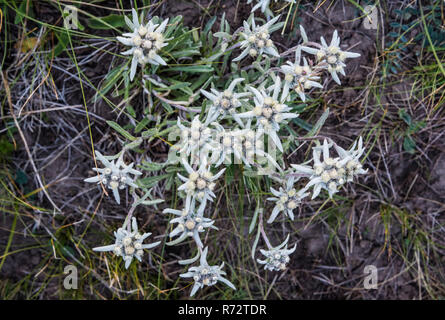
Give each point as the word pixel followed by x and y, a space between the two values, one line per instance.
pixel 8 95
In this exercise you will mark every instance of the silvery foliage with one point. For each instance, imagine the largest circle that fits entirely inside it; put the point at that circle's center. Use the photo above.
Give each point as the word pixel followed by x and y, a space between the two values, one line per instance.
pixel 277 257
pixel 299 78
pixel 270 112
pixel 129 243
pixel 286 199
pixel 205 275
pixel 225 103
pixel 330 56
pixel 145 40
pixel 264 6
pixel 257 39
pixel 190 222
pixel 332 173
pixel 114 176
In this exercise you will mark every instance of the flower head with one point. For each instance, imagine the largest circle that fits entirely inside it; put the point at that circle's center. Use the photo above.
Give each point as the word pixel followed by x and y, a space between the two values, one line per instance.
pixel 114 176
pixel 277 257
pixel 145 40
pixel 332 173
pixel 129 243
pixel 190 222
pixel 257 39
pixel 205 275
pixel 332 56
pixel 225 103
pixel 287 199
pixel 270 112
pixel 195 140
pixel 299 78
pixel 200 183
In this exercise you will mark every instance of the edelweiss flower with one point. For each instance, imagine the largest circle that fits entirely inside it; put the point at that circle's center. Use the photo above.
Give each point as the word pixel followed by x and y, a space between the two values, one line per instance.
pixel 146 42
pixel 264 5
pixel 190 222
pixel 128 243
pixel 287 200
pixel 205 275
pixel 195 140
pixel 225 102
pixel 257 40
pixel 299 78
pixel 201 183
pixel 332 56
pixel 331 173
pixel 226 144
pixel 277 257
pixel 353 166
pixel 270 112
pixel 114 176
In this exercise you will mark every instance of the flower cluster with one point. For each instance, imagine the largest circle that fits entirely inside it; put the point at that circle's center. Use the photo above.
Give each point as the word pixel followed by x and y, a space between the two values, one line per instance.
pixel 287 199
pixel 257 40
pixel 332 173
pixel 270 112
pixel 205 275
pixel 129 243
pixel 277 257
pixel 331 57
pixel 233 123
pixel 145 40
pixel 114 176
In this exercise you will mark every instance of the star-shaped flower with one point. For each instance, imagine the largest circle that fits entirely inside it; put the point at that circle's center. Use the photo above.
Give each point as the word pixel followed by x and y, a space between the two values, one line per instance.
pixel 129 243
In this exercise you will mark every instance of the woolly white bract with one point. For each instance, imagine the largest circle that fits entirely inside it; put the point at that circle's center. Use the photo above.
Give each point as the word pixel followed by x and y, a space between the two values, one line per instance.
pixel 270 111
pixel 114 176
pixel 299 78
pixel 146 42
pixel 287 199
pixel 196 140
pixel 205 275
pixel 332 173
pixel 225 103
pixel 264 6
pixel 191 222
pixel 332 56
pixel 277 257
pixel 129 243
pixel 257 39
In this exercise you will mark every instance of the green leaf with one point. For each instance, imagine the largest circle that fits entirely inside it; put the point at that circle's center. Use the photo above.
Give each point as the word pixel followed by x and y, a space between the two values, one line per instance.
pixel 409 145
pixel 196 68
pixel 104 23
pixel 121 130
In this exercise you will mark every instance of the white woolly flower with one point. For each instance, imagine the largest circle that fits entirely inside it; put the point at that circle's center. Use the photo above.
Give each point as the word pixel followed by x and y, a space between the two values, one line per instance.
pixel 195 140
pixel 129 243
pixel 299 78
pixel 270 112
pixel 200 183
pixel 146 42
pixel 353 165
pixel 114 176
pixel 225 103
pixel 205 275
pixel 331 173
pixel 257 40
pixel 264 5
pixel 190 223
pixel 287 199
pixel 277 257
pixel 332 55
pixel 226 144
